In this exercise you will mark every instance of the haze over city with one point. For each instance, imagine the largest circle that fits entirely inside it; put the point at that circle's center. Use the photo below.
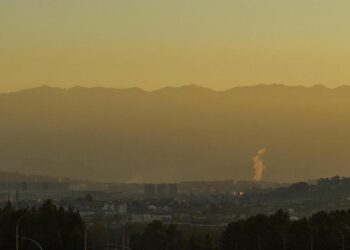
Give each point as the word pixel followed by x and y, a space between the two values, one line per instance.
pixel 174 125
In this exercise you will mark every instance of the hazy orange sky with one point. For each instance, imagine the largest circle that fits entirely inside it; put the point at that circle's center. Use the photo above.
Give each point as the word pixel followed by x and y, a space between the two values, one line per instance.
pixel 154 43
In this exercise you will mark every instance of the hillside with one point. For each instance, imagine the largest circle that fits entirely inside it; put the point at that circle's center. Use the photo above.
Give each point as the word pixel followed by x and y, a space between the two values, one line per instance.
pixel 172 134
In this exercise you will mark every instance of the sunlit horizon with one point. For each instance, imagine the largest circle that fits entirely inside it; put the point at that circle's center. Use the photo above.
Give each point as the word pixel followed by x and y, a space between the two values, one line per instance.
pixel 154 44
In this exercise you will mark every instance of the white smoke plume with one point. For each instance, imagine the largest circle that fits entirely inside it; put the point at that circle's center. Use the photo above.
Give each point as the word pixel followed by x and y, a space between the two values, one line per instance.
pixel 259 166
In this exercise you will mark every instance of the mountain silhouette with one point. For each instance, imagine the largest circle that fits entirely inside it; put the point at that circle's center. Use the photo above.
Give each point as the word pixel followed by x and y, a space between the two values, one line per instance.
pixel 173 134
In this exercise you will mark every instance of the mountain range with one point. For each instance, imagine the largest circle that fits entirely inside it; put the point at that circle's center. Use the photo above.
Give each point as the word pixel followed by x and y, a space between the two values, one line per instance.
pixel 176 134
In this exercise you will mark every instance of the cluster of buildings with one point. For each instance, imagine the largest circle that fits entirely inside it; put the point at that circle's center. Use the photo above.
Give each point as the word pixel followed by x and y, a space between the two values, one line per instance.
pixel 197 202
pixel 18 190
pixel 160 191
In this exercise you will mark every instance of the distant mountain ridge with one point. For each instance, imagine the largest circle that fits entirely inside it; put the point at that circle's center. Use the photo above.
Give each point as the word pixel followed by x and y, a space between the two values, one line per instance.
pixel 176 133
pixel 192 87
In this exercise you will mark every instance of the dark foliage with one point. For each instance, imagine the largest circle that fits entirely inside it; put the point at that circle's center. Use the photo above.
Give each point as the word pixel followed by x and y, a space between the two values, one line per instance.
pixel 322 231
pixel 53 227
pixel 334 188
pixel 158 236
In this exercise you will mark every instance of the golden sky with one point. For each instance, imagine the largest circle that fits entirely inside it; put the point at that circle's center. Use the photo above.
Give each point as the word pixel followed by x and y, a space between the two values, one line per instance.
pixel 154 43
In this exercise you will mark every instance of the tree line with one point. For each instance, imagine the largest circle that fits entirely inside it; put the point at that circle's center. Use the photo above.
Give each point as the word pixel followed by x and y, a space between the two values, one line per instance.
pixel 333 188
pixel 52 227
pixel 158 236
pixel 56 228
pixel 321 231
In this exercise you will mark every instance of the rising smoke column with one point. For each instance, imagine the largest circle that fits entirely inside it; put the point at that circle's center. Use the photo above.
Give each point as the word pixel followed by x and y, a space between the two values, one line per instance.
pixel 259 164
